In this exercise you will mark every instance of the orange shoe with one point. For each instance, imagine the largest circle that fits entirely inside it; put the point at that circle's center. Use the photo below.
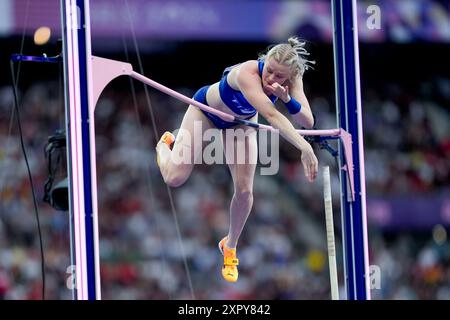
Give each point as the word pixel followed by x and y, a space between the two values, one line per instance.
pixel 167 138
pixel 230 262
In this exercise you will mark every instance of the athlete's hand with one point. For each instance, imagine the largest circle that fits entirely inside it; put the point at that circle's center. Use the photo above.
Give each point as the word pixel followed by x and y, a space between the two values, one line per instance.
pixel 279 91
pixel 310 163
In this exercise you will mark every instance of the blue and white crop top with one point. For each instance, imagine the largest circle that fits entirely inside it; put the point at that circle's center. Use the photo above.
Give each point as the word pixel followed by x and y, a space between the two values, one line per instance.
pixel 234 99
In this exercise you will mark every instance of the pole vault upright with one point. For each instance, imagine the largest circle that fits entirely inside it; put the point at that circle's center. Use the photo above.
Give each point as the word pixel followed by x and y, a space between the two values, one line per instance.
pixel 79 107
pixel 349 117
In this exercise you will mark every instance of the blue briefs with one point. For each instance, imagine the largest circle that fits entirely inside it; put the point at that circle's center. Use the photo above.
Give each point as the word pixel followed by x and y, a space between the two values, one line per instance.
pixel 200 96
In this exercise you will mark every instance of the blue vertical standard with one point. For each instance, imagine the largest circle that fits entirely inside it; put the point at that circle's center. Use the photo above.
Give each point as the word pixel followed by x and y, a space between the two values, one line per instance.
pixel 349 117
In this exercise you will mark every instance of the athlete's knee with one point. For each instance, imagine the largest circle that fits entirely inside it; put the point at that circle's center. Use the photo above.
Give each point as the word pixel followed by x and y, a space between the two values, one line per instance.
pixel 244 194
pixel 175 179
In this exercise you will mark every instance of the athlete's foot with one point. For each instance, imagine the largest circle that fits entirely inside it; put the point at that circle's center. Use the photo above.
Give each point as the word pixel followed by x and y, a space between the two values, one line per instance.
pixel 230 262
pixel 167 138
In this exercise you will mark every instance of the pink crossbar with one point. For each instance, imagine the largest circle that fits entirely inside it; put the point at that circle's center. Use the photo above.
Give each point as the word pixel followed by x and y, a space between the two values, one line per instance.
pixel 224 116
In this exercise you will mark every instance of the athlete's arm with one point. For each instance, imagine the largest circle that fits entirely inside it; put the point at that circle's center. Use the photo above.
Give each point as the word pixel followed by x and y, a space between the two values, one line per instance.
pixel 304 117
pixel 249 83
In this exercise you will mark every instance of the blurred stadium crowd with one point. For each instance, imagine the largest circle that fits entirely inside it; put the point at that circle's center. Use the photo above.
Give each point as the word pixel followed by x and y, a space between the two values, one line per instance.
pixel 282 250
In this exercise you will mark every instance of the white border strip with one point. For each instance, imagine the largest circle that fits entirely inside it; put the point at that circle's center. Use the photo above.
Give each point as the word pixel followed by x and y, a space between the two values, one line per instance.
pixel 361 150
pixel 76 149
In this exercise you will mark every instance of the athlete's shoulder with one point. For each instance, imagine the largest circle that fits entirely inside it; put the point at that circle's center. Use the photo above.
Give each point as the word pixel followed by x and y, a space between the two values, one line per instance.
pixel 235 68
pixel 247 74
pixel 250 66
pixel 250 63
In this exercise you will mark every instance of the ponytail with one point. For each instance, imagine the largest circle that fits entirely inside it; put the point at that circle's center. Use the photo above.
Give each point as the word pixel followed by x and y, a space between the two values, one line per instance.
pixel 299 48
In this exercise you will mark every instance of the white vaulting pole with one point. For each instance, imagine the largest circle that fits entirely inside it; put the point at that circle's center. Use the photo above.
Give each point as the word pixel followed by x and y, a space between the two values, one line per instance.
pixel 330 233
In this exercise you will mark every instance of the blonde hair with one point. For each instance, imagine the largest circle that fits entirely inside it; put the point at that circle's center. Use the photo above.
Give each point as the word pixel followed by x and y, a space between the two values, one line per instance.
pixel 291 54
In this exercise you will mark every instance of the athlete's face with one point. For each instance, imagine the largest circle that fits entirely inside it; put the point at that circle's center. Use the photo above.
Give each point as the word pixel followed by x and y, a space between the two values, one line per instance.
pixel 274 72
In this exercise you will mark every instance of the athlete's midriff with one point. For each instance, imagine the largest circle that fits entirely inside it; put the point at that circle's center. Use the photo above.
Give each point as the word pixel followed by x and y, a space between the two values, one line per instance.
pixel 214 101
